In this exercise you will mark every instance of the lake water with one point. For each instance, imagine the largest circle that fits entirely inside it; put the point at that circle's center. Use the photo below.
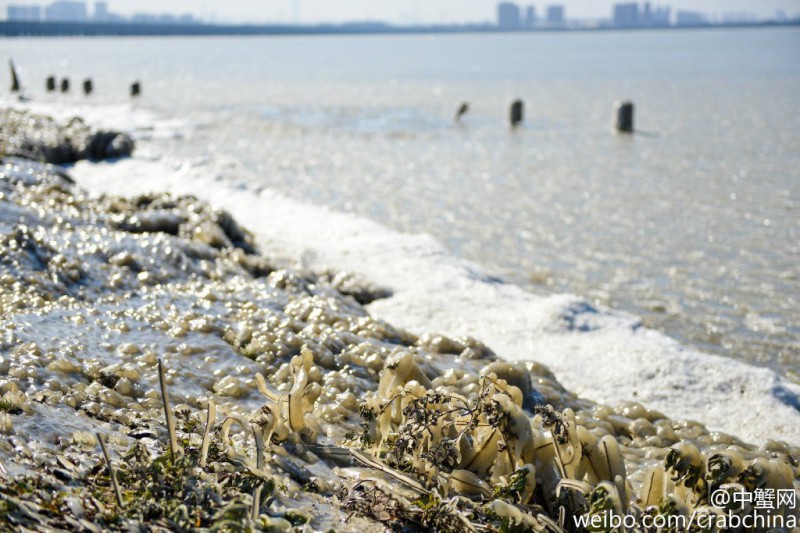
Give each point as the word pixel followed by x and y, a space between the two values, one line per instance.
pixel 692 223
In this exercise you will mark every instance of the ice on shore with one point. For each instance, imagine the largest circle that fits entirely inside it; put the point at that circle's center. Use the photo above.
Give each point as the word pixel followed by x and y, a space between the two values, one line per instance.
pixel 603 355
pixel 95 290
pixel 600 354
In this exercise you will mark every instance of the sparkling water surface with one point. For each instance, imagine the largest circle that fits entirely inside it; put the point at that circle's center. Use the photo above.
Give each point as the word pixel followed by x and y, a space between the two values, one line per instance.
pixel 692 223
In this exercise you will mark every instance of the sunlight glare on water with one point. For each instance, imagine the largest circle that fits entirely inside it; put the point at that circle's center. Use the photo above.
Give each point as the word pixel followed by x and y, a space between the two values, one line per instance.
pixel 691 223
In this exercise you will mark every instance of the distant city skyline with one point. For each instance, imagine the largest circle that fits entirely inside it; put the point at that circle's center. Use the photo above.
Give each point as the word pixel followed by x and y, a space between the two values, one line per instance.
pixel 407 11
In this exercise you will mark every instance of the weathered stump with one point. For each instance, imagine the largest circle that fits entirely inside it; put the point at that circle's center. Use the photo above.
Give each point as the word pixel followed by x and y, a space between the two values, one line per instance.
pixel 516 113
pixel 624 117
pixel 462 110
pixel 14 78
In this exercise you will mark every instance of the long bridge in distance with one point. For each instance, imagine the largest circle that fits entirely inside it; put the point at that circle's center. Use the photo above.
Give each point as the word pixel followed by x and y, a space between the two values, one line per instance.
pixel 123 29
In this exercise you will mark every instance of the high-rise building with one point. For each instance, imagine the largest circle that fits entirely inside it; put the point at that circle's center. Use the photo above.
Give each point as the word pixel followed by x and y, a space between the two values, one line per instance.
pixel 555 14
pixel 530 16
pixel 188 19
pixel 24 13
pixel 626 15
pixel 144 18
pixel 101 11
pixel 646 16
pixel 691 18
pixel 630 15
pixel 508 15
pixel 65 12
pixel 660 16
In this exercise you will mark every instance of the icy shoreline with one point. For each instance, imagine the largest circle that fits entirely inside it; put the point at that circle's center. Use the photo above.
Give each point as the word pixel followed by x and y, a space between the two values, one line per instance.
pixel 355 415
pixel 599 354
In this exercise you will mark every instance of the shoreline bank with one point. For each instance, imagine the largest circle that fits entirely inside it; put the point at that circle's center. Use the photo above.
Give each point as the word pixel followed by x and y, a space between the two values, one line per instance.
pixel 601 354
pixel 604 355
pixel 98 287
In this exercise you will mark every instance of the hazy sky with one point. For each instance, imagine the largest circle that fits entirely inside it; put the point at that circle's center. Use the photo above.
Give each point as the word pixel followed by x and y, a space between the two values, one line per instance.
pixel 404 11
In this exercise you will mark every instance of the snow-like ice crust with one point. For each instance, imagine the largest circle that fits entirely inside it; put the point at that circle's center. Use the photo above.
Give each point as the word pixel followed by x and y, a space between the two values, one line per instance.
pixel 603 355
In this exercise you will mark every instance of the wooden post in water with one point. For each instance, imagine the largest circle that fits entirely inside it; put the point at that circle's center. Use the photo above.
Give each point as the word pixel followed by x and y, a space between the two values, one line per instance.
pixel 51 84
pixel 462 110
pixel 14 79
pixel 65 85
pixel 88 87
pixel 624 117
pixel 136 89
pixel 516 113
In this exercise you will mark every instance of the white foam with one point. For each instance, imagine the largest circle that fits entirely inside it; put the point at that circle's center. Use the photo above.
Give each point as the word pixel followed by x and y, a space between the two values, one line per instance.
pixel 602 355
pixel 127 117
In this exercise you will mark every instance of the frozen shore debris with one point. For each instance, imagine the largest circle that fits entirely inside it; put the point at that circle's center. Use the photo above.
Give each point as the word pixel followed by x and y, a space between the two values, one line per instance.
pixel 42 138
pixel 328 417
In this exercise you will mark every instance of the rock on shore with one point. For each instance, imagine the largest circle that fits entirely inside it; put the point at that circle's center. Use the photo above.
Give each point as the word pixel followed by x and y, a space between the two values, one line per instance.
pixel 42 138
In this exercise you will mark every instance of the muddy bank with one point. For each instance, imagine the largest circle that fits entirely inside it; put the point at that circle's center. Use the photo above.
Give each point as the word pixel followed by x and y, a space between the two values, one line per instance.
pixel 290 404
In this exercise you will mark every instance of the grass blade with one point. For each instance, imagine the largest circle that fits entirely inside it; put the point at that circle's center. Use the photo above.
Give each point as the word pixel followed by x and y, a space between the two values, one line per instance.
pixel 111 472
pixel 173 439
